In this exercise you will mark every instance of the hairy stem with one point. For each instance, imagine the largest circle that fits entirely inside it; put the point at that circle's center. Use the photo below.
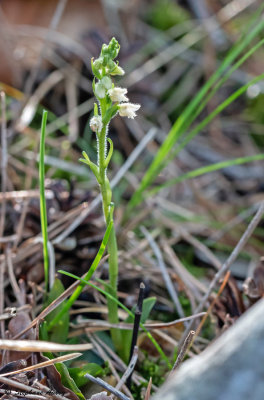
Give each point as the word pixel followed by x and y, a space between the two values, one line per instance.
pixel 112 245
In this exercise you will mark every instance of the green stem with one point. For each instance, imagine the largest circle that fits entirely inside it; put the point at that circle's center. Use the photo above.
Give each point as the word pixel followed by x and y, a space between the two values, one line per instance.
pixel 112 245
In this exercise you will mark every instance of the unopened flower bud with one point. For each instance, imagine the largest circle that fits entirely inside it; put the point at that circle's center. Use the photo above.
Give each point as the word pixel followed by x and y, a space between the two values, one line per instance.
pixel 128 110
pixel 117 71
pixel 96 124
pixel 114 48
pixel 96 67
pixel 99 90
pixel 118 94
pixel 106 82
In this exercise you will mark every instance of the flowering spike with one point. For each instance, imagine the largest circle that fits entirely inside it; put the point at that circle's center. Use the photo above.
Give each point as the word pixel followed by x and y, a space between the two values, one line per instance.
pixel 111 100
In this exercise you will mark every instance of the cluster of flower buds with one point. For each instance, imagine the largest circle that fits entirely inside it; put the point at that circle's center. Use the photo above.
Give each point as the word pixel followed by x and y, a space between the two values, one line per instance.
pixel 105 64
pixel 112 99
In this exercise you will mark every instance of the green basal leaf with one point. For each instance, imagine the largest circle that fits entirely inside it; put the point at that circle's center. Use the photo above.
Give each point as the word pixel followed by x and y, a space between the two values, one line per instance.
pixel 67 380
pixel 78 373
pixel 59 332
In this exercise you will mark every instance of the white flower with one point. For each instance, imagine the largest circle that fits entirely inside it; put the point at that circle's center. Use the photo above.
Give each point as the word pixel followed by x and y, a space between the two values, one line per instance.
pixel 96 123
pixel 128 110
pixel 118 94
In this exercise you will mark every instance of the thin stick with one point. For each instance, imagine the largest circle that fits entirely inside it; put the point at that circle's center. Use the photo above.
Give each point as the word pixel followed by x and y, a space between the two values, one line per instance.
pixel 2 300
pixel 106 386
pixel 243 240
pixel 164 325
pixel 120 363
pixel 12 278
pixel 138 313
pixel 223 285
pixel 136 327
pixel 183 351
pixel 162 266
pixel 128 372
pixel 3 161
pixel 95 324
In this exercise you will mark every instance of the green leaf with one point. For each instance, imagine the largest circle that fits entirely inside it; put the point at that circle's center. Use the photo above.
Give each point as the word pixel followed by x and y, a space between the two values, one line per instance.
pixel 67 380
pixel 110 113
pixel 78 373
pixel 59 332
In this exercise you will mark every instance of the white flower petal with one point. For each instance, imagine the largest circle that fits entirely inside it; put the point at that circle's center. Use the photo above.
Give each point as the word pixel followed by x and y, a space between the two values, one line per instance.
pixel 128 110
pixel 118 94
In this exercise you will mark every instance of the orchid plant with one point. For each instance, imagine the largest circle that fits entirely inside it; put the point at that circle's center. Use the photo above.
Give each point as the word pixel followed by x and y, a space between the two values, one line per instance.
pixel 112 100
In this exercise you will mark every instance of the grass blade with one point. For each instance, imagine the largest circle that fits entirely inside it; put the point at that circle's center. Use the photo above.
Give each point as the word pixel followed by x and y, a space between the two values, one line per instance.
pixel 43 210
pixel 206 170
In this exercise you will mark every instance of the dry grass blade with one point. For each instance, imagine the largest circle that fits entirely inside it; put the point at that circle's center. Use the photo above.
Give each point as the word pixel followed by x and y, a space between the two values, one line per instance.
pixel 183 351
pixel 12 278
pixel 108 387
pixel 33 393
pixel 2 323
pixel 22 389
pixel 165 274
pixel 240 245
pixel 148 391
pixel 44 364
pixel 164 325
pixel 38 346
pixel 3 161
pixel 130 368
pixel 9 314
pixel 223 285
